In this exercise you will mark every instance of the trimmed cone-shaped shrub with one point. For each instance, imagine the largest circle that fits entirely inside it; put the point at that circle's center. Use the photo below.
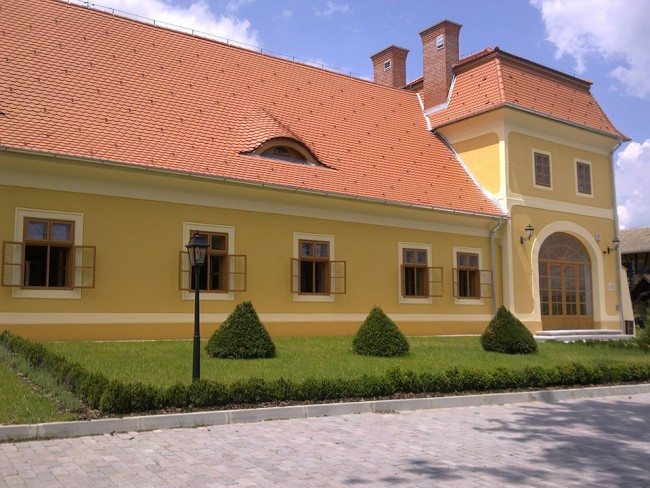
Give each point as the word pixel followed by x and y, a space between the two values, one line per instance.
pixel 505 333
pixel 241 336
pixel 379 336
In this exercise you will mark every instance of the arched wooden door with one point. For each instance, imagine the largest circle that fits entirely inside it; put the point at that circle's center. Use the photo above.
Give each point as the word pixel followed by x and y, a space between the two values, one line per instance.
pixel 565 284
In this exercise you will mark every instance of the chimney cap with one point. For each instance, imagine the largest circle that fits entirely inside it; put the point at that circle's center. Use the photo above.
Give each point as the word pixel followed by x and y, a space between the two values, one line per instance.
pixel 438 24
pixel 392 47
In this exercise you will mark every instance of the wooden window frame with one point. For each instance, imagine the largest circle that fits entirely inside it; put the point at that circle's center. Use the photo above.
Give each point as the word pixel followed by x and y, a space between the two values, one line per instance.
pixel 213 255
pixel 469 271
pixel 314 260
pixel 542 170
pixel 434 286
pixel 236 264
pixel 417 268
pixel 483 278
pixel 80 261
pixel 584 180
pixel 49 244
pixel 234 267
pixel 334 276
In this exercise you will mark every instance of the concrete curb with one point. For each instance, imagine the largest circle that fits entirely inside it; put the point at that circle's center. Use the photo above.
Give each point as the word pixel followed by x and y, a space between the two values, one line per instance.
pixel 222 417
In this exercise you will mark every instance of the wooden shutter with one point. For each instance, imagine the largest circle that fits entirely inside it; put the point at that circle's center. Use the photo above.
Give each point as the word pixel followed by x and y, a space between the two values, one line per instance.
pixel 12 263
pixel 84 266
pixel 435 281
pixel 485 281
pixel 295 275
pixel 236 272
pixel 184 271
pixel 337 278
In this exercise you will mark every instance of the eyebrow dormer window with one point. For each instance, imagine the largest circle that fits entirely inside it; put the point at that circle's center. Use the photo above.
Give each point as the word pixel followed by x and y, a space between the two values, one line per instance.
pixel 286 154
pixel 288 150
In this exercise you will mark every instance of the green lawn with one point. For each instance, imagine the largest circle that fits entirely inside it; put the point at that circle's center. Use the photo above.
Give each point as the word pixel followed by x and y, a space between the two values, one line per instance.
pixel 20 405
pixel 163 363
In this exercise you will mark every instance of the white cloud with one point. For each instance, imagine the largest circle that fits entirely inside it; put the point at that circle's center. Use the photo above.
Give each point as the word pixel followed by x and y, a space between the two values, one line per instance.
pixel 234 5
pixel 333 8
pixel 285 14
pixel 196 16
pixel 633 185
pixel 615 31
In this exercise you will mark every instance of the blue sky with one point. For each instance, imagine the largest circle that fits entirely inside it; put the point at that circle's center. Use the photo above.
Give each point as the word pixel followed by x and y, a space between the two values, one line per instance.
pixel 604 41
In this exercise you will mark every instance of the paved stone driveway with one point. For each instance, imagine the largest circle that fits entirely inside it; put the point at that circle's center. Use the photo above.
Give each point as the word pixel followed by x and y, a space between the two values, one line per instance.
pixel 586 443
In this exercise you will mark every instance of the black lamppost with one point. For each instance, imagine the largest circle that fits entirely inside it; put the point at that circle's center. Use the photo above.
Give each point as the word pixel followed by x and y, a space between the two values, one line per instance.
pixel 197 249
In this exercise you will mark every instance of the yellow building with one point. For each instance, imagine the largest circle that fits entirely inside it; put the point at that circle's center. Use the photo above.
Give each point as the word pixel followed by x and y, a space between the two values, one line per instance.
pixel 486 182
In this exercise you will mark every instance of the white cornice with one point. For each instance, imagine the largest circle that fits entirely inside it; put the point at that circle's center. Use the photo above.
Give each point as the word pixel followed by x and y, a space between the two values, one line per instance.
pixel 559 206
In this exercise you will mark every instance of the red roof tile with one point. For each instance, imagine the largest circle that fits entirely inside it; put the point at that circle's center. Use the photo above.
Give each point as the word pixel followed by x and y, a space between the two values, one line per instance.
pixel 494 78
pixel 80 82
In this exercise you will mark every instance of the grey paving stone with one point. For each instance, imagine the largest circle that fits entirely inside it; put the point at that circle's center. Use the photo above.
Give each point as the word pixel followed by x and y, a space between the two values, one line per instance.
pixel 599 442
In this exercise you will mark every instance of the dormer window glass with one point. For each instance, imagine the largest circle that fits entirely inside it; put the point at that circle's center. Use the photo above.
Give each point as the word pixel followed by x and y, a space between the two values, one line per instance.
pixel 285 149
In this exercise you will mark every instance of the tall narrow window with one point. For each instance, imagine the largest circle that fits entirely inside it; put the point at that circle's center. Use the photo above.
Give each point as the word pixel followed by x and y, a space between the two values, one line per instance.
pixel 542 169
pixel 415 273
pixel 315 274
pixel 314 267
pixel 583 172
pixel 214 275
pixel 48 253
pixel 469 284
pixel 224 273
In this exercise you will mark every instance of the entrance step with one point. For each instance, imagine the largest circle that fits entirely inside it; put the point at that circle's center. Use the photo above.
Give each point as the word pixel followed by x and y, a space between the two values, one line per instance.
pixel 582 335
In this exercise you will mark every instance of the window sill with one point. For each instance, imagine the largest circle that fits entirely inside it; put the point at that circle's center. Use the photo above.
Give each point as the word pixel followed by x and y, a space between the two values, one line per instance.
pixel 468 301
pixel 313 298
pixel 47 293
pixel 415 300
pixel 209 296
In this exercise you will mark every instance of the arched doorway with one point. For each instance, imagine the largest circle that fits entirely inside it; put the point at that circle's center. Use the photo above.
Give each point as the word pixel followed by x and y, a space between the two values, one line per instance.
pixel 565 284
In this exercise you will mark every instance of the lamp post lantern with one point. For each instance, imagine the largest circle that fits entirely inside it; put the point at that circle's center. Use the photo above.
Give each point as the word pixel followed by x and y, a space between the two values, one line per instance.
pixel 197 249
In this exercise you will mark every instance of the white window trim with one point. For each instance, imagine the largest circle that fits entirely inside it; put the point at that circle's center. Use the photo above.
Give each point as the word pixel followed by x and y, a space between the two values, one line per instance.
pixel 470 250
pixel 297 237
pixel 591 177
pixel 550 169
pixel 77 218
pixel 400 250
pixel 188 227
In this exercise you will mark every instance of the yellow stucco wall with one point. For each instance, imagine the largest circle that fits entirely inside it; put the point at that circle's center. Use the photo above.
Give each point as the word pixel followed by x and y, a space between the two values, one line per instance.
pixel 481 156
pixel 521 176
pixel 137 250
pixel 560 209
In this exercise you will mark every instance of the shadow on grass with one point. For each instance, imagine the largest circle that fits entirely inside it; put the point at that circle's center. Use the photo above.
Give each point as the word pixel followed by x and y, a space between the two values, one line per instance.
pixel 588 443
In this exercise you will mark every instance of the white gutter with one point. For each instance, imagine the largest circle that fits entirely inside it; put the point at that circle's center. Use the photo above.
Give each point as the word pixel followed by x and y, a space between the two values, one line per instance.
pixel 616 234
pixel 494 285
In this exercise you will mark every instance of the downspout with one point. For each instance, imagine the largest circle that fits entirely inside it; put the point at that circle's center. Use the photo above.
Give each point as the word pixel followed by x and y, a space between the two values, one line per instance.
pixel 618 251
pixel 494 281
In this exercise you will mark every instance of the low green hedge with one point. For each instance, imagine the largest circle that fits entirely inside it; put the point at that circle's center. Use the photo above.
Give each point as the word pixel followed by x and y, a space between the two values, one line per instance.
pixel 116 397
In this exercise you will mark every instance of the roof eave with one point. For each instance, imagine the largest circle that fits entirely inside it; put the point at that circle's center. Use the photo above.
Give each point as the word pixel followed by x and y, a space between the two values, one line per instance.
pixel 226 179
pixel 615 135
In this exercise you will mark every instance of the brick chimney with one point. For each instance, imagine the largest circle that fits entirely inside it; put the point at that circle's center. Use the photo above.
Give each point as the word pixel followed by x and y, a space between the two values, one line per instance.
pixel 439 53
pixel 390 66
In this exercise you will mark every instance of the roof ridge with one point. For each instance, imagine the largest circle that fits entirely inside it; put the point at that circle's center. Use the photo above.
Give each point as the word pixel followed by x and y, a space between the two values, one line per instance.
pixel 502 89
pixel 123 14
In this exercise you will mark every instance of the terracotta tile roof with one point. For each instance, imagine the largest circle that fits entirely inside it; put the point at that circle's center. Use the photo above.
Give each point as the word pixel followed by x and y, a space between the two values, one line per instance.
pixel 494 78
pixel 80 82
